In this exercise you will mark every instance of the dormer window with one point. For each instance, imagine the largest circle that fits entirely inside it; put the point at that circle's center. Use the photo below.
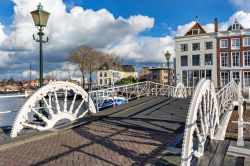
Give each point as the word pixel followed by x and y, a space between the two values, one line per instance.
pixel 236 26
pixel 195 31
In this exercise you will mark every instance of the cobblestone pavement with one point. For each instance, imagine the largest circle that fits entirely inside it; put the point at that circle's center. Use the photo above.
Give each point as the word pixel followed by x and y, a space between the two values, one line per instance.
pixel 98 143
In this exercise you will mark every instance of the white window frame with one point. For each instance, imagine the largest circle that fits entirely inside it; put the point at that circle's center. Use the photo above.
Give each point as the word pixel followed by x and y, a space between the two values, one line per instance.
pixel 232 75
pixel 248 42
pixel 244 85
pixel 184 50
pixel 198 55
pixel 198 31
pixel 197 49
pixel 235 47
pixel 227 59
pixel 235 26
pixel 228 78
pixel 181 60
pixel 205 44
pixel 244 65
pixel 232 59
pixel 205 59
pixel 221 43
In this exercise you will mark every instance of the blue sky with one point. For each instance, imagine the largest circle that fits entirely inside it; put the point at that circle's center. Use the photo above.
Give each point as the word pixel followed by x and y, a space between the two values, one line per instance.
pixel 139 31
pixel 168 14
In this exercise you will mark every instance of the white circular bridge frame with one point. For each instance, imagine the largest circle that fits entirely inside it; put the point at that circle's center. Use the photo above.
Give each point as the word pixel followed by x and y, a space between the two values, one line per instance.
pixel 57 109
pixel 202 121
pixel 180 91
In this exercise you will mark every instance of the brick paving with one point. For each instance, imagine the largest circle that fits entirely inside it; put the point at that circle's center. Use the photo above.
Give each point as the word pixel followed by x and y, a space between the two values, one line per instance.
pixel 98 143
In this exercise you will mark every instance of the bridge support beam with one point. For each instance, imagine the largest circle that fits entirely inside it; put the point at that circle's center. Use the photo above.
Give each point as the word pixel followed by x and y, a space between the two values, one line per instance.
pixel 240 140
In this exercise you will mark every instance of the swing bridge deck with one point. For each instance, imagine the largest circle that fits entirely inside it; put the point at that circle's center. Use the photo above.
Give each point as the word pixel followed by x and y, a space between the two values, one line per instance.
pixel 144 131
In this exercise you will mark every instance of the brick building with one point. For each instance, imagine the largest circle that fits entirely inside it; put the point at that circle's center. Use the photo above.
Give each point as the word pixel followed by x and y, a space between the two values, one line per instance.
pixel 233 55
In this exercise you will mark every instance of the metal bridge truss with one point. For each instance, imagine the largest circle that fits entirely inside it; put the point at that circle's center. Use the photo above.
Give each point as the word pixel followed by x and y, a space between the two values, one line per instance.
pixel 208 117
pixel 137 90
pixel 51 105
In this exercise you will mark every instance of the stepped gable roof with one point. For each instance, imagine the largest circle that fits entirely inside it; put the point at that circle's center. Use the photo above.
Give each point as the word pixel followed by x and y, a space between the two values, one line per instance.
pixel 198 27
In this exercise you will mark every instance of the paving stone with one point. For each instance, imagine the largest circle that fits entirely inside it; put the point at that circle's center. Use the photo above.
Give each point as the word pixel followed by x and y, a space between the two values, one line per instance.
pixel 98 143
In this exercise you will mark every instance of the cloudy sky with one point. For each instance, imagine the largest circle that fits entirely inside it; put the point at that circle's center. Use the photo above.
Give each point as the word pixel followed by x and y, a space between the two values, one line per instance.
pixel 138 31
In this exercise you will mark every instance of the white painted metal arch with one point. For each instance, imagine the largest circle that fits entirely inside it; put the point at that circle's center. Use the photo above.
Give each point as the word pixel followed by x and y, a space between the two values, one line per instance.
pixel 202 121
pixel 180 91
pixel 56 107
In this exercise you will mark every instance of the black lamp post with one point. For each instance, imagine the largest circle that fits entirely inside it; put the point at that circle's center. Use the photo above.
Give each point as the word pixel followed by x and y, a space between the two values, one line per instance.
pixel 168 56
pixel 40 18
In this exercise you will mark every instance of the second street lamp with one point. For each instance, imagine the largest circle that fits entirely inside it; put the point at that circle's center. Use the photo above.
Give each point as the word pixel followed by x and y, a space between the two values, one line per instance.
pixel 168 56
pixel 40 18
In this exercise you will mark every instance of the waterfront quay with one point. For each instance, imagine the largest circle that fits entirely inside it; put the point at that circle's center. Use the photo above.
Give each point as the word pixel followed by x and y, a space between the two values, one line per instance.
pixel 130 134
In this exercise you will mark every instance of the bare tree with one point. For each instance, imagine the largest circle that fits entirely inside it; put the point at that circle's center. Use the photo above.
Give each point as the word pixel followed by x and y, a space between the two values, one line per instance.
pixel 94 63
pixel 88 61
pixel 79 57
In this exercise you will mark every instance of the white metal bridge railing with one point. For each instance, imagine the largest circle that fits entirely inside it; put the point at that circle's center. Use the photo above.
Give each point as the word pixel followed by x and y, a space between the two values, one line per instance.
pixel 208 117
pixel 137 90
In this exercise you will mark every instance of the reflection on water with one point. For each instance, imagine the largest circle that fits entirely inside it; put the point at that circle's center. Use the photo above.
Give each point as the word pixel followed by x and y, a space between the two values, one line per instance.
pixel 9 108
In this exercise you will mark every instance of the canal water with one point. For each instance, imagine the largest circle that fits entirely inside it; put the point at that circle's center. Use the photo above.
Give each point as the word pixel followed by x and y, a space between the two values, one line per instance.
pixel 9 108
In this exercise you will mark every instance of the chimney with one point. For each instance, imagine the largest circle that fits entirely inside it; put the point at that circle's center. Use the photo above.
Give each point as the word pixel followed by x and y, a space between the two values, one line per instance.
pixel 215 25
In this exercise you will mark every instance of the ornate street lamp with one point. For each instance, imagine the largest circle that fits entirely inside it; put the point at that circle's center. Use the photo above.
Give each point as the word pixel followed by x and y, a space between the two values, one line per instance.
pixel 168 56
pixel 40 18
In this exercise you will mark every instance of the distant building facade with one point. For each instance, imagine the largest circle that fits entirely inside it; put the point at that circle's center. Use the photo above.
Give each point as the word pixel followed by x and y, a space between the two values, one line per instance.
pixel 156 74
pixel 233 47
pixel 108 75
pixel 196 56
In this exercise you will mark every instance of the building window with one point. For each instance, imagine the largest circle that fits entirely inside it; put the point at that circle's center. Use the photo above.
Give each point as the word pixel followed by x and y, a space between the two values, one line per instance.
pixel 246 41
pixel 195 31
pixel 105 74
pixel 184 60
pixel 196 77
pixel 100 74
pixel 196 60
pixel 209 74
pixel 235 59
pixel 224 59
pixel 190 78
pixel 208 45
pixel 184 47
pixel 100 81
pixel 224 78
pixel 235 26
pixel 223 43
pixel 202 73
pixel 246 58
pixel 184 78
pixel 246 78
pixel 208 59
pixel 196 46
pixel 235 43
pixel 106 82
pixel 236 76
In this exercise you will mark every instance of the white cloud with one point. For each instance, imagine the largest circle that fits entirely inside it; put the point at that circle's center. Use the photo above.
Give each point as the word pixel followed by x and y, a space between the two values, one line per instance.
pixel 4 59
pixel 99 29
pixel 2 34
pixel 26 74
pixel 143 49
pixel 241 4
pixel 67 30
